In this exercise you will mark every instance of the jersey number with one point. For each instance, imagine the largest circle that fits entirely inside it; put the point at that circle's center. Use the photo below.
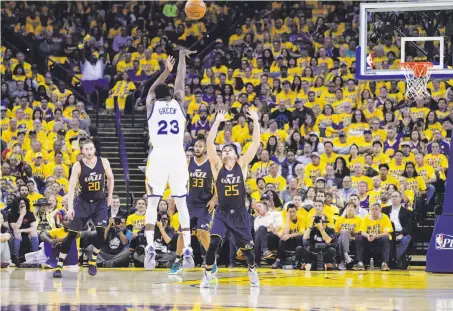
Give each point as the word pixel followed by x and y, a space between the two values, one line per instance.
pixel 174 127
pixel 198 183
pixel 231 190
pixel 94 186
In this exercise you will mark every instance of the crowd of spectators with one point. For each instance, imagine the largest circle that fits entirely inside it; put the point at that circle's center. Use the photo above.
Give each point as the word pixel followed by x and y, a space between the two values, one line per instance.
pixel 339 158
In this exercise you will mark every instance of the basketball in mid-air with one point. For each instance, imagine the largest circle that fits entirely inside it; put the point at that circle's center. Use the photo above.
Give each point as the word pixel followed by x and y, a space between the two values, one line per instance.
pixel 195 9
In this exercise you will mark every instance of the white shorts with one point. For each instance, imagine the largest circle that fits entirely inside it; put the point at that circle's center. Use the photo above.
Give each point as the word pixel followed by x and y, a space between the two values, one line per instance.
pixel 167 165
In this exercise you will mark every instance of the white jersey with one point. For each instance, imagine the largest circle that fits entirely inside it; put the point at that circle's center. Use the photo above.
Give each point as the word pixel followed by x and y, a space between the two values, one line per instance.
pixel 166 124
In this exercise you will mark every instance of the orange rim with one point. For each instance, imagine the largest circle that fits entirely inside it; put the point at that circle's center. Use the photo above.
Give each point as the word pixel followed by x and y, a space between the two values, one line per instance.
pixel 420 69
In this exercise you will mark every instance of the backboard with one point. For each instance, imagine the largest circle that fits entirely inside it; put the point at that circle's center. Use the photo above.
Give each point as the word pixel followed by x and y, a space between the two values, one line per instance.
pixel 411 31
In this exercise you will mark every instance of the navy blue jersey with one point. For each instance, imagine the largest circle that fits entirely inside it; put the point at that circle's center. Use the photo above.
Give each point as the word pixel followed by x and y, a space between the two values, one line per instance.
pixel 230 188
pixel 92 181
pixel 200 181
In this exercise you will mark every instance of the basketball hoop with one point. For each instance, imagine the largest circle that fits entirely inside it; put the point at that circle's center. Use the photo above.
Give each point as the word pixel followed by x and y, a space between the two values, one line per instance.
pixel 417 76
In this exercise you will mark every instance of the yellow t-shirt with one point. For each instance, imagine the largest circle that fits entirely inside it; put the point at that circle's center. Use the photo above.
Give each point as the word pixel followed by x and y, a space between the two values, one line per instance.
pixel 396 170
pixel 136 221
pixel 416 184
pixel 294 227
pixel 312 172
pixel 350 224
pixel 279 182
pixel 355 181
pixel 378 226
pixel 261 168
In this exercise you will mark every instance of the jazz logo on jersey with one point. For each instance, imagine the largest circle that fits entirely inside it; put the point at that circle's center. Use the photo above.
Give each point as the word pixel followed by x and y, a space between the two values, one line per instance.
pixel 198 174
pixel 444 242
pixel 230 179
pixel 93 177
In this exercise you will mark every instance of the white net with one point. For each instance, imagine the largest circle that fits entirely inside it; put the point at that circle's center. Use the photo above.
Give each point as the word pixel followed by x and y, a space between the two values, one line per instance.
pixel 417 77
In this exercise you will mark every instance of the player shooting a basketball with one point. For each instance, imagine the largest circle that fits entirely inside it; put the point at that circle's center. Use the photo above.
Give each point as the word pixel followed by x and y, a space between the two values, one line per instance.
pixel 229 172
pixel 167 161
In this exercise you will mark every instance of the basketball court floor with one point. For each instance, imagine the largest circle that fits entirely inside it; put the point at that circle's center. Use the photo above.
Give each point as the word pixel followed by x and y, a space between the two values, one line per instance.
pixel 137 289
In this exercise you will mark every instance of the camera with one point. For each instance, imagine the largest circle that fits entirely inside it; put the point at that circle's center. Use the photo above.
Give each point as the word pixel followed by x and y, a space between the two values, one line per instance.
pixel 117 221
pixel 317 220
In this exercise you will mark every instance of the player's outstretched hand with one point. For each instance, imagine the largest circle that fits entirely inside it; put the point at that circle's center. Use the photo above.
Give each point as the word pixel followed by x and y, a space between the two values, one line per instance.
pixel 252 114
pixel 185 52
pixel 220 116
pixel 170 63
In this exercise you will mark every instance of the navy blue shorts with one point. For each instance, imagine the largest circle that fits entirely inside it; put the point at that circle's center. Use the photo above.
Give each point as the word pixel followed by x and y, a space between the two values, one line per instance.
pixel 200 218
pixel 237 221
pixel 84 211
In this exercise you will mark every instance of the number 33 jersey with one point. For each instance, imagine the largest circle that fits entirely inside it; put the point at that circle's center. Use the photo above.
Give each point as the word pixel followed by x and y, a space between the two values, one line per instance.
pixel 167 161
pixel 166 124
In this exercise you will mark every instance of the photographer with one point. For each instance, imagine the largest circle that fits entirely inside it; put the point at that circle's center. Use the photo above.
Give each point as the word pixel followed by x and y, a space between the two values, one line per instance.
pixel 163 237
pixel 115 250
pixel 318 238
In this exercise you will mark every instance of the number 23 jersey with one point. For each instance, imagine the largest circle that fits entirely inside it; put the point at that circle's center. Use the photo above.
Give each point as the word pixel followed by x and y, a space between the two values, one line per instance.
pixel 166 124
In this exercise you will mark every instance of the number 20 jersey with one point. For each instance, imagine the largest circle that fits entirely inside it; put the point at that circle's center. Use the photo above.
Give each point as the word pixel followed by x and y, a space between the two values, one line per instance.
pixel 166 124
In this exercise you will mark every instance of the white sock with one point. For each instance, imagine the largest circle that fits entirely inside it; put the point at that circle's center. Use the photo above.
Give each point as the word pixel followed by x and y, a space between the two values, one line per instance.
pixel 151 218
pixel 186 237
pixel 184 219
pixel 149 234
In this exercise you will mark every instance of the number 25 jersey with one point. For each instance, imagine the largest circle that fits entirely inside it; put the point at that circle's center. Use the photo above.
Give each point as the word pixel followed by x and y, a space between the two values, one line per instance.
pixel 166 124
pixel 230 188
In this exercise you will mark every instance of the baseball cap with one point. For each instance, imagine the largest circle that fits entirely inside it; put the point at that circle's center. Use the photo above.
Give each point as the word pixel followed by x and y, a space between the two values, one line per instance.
pixel 342 134
pixel 218 41
pixel 315 154
pixel 366 132
pixel 320 179
pixel 32 132
pixel 39 155
pixel 343 64
pixel 61 132
pixel 2 108
pixel 405 143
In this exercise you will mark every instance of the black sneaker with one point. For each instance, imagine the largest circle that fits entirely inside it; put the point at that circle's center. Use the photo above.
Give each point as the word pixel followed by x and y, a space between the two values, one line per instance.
pixel 92 270
pixel 57 274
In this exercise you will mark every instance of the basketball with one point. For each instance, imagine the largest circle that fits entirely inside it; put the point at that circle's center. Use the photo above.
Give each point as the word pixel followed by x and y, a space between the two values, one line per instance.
pixel 195 9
